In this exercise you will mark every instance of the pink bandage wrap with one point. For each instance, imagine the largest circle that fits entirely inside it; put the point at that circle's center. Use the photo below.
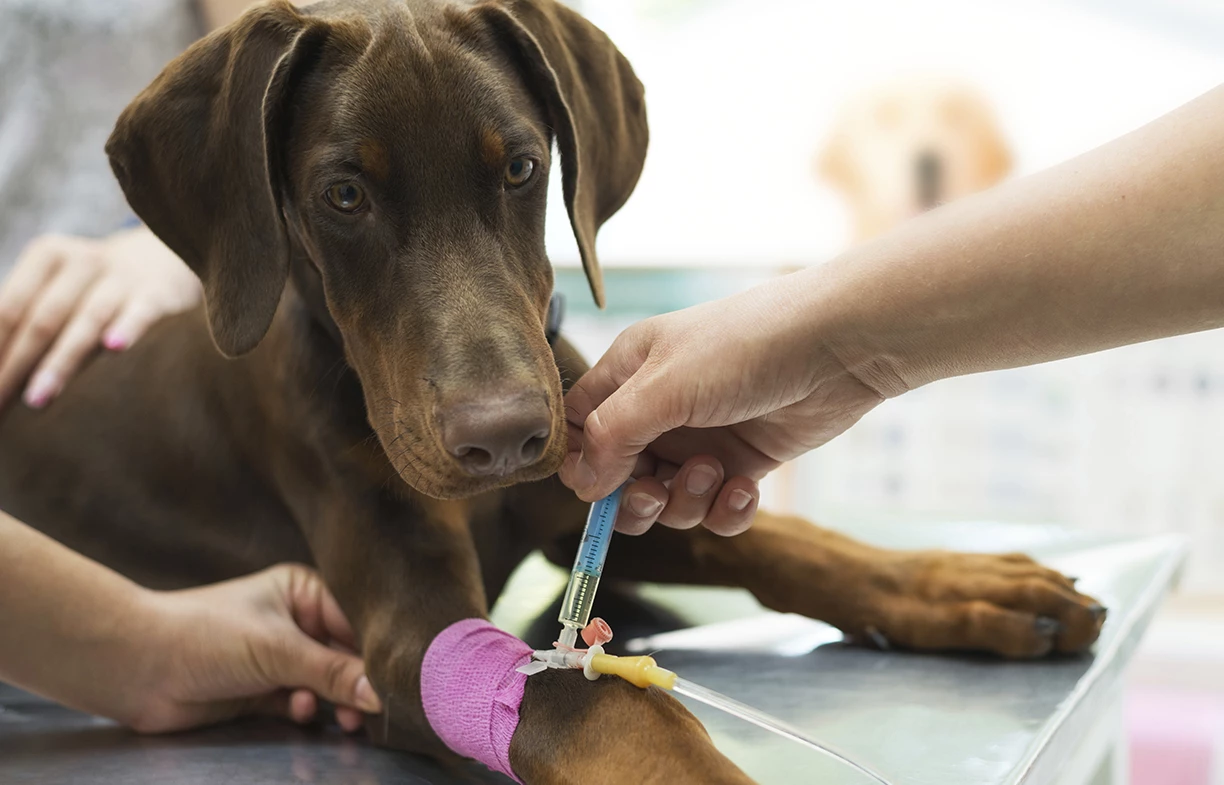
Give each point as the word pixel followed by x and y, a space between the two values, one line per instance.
pixel 471 690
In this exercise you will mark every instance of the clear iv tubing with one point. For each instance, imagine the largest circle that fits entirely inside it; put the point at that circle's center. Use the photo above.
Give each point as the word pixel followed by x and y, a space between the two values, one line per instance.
pixel 588 567
pixel 745 712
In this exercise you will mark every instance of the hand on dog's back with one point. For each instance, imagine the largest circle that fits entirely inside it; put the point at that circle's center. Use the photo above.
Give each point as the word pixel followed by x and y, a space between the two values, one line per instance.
pixel 68 296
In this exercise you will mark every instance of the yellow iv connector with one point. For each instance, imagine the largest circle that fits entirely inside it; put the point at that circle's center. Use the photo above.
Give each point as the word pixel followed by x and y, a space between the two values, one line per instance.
pixel 639 671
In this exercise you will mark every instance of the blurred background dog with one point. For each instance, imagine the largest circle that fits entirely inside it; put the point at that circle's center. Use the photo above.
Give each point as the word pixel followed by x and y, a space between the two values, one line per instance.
pixel 905 146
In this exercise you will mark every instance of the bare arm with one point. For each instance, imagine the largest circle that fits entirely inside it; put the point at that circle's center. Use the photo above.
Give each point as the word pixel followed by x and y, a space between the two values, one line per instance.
pixel 58 607
pixel 1121 245
pixel 87 637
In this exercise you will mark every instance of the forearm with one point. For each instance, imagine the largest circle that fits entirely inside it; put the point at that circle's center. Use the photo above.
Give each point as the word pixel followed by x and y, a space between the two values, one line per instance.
pixel 68 624
pixel 1121 245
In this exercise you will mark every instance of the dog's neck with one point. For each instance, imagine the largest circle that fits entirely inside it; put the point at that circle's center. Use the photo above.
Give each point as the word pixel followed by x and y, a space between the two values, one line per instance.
pixel 307 282
pixel 316 351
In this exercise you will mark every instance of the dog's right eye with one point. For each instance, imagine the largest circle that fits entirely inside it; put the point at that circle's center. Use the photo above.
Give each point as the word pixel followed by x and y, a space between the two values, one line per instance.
pixel 518 171
pixel 345 197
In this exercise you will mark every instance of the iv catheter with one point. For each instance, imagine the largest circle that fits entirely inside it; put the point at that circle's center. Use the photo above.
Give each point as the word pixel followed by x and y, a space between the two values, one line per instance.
pixel 588 567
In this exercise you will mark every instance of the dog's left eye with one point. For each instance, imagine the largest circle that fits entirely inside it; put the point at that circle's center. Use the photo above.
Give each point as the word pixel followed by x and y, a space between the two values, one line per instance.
pixel 518 171
pixel 345 197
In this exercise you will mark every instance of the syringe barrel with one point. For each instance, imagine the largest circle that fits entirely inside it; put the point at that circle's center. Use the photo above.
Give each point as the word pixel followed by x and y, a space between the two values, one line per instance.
pixel 589 563
pixel 579 600
pixel 593 551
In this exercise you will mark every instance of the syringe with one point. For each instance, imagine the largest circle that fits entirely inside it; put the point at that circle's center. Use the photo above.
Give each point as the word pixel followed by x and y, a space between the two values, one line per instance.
pixel 588 566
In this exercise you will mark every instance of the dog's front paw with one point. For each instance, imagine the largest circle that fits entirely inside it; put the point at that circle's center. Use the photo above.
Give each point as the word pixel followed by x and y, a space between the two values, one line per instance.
pixel 1006 604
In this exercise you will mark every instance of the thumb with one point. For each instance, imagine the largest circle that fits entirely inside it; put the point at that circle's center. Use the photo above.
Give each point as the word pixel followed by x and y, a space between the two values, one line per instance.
pixel 337 676
pixel 617 432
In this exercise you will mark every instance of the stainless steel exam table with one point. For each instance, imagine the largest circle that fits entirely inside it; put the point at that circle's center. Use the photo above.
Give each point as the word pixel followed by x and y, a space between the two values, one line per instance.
pixel 916 718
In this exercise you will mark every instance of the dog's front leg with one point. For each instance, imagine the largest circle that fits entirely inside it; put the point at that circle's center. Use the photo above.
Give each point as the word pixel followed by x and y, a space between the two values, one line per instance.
pixel 405 572
pixel 402 571
pixel 1006 604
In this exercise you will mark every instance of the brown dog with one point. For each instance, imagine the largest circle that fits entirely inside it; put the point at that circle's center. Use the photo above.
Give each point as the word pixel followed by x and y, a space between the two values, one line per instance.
pixel 910 145
pixel 361 189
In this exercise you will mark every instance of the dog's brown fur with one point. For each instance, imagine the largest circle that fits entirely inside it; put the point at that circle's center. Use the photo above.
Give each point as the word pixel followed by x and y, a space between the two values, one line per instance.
pixel 355 337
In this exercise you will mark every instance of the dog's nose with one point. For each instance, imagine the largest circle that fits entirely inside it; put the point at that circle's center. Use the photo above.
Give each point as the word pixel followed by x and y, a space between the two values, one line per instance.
pixel 929 174
pixel 497 435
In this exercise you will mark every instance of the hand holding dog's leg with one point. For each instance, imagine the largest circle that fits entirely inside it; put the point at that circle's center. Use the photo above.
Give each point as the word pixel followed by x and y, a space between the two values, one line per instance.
pixel 164 661
pixel 263 643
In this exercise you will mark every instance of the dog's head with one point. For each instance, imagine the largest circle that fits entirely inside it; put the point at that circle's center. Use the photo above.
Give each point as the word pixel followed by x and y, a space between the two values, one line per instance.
pixel 401 151
pixel 910 145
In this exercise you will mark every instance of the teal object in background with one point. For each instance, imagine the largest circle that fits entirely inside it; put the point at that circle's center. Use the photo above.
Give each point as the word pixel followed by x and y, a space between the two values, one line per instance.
pixel 638 292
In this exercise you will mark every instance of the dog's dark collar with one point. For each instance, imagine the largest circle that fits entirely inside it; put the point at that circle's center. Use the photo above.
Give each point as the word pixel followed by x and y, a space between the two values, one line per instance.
pixel 556 312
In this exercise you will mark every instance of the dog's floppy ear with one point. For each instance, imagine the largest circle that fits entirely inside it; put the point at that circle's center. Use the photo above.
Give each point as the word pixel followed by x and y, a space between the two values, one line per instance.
pixel 596 108
pixel 197 154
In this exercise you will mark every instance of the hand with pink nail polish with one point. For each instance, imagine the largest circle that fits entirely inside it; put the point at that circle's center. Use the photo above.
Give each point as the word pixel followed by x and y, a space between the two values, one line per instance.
pixel 68 296
pixel 699 404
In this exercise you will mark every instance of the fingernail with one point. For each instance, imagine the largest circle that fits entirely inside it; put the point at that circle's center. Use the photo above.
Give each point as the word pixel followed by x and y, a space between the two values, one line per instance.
pixel 701 479
pixel 115 341
pixel 43 387
pixel 584 475
pixel 739 500
pixel 643 505
pixel 365 697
